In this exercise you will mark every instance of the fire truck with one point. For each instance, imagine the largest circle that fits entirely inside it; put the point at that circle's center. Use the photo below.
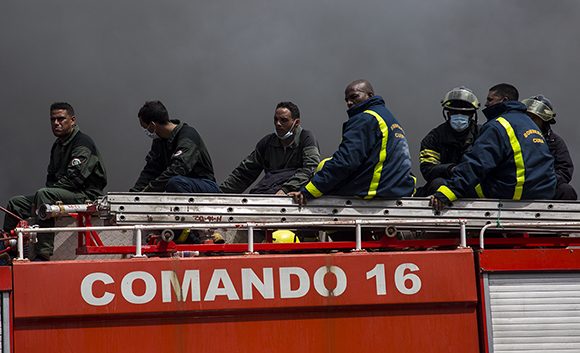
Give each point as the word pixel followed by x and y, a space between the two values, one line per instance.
pixel 359 276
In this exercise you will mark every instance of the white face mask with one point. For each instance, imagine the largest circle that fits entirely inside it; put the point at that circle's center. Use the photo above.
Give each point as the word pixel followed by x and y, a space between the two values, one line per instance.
pixel 152 135
pixel 288 134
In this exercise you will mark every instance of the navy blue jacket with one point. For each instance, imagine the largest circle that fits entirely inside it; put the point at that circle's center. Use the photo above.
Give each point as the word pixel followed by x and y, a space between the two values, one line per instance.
pixel 372 160
pixel 509 160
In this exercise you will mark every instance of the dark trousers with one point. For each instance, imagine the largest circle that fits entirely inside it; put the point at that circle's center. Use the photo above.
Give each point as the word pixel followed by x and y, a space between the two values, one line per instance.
pixel 565 192
pixel 186 185
pixel 26 206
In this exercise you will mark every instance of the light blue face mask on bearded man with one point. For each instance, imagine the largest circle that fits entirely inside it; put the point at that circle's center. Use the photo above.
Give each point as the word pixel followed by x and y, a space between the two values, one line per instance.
pixel 459 122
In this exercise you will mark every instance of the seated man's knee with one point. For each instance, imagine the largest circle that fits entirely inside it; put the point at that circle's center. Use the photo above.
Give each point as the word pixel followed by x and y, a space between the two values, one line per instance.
pixel 566 192
pixel 44 195
pixel 15 201
pixel 177 183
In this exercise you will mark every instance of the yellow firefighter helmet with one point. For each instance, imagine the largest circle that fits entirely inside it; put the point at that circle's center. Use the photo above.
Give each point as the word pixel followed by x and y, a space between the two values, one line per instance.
pixel 284 236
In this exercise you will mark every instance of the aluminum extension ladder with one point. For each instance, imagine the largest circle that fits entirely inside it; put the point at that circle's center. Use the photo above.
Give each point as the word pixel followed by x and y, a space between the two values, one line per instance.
pixel 158 208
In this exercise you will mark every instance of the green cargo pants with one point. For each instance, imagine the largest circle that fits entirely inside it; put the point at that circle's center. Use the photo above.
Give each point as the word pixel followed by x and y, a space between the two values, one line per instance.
pixel 26 206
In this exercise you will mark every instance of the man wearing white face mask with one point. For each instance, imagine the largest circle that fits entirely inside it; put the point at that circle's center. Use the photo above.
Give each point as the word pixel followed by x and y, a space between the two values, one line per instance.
pixel 288 157
pixel 443 147
pixel 178 160
pixel 509 160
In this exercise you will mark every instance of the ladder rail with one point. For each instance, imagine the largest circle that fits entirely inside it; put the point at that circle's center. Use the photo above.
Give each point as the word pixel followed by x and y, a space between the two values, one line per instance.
pixel 135 208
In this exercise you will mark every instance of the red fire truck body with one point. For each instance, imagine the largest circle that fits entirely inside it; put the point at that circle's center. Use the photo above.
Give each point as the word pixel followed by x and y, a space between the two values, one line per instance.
pixel 460 299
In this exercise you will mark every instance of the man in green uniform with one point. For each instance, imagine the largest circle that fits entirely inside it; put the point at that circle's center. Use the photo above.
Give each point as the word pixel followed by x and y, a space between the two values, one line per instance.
pixel 288 157
pixel 76 173
pixel 178 160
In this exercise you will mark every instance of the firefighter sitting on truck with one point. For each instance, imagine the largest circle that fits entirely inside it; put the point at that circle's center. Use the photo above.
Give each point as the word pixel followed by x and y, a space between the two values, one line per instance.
pixel 373 158
pixel 76 174
pixel 288 157
pixel 509 160
pixel 178 160
pixel 443 147
pixel 541 111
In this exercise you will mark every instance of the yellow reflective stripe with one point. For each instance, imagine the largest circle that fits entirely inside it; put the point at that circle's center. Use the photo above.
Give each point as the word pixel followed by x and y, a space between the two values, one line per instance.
pixel 447 192
pixel 313 190
pixel 479 191
pixel 430 160
pixel 427 152
pixel 322 163
pixel 518 158
pixel 382 155
pixel 414 184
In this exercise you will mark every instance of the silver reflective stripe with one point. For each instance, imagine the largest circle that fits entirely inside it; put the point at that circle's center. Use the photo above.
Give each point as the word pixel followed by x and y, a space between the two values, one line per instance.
pixel 5 323
pixel 533 312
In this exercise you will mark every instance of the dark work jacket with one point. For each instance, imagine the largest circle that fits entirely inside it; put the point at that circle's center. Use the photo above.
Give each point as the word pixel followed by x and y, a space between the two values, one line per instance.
pixel 509 160
pixel 183 153
pixel 443 148
pixel 286 168
pixel 76 165
pixel 371 161
pixel 562 161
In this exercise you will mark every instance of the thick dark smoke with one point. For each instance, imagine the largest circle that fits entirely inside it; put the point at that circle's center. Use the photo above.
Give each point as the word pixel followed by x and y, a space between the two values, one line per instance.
pixel 223 65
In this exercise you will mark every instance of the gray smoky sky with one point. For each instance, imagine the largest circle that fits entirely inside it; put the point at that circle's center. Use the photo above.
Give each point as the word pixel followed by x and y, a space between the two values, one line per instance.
pixel 222 66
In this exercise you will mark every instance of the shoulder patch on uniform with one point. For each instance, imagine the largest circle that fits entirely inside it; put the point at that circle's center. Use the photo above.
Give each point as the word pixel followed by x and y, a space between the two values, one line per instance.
pixel 75 161
pixel 178 153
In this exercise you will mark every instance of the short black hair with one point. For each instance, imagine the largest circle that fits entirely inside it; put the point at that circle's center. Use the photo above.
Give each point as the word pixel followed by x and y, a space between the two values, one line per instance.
pixel 293 108
pixel 63 106
pixel 364 85
pixel 154 111
pixel 506 90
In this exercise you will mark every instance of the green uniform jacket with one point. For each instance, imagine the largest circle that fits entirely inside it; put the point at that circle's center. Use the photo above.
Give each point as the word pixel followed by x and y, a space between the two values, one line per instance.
pixel 183 153
pixel 76 165
pixel 270 155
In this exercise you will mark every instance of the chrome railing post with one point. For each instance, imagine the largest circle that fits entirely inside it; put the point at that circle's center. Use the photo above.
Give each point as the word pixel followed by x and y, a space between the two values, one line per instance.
pixel 358 236
pixel 250 238
pixel 463 233
pixel 20 246
pixel 138 242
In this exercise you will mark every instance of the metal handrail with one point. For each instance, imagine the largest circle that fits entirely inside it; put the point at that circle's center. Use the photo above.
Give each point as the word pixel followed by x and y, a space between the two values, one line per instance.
pixel 533 226
pixel 139 228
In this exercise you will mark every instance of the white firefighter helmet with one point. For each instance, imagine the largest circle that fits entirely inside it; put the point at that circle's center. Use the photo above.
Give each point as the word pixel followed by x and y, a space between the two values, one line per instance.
pixel 541 107
pixel 460 98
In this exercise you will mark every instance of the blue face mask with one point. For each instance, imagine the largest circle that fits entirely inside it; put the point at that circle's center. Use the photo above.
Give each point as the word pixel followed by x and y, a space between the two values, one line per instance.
pixel 459 122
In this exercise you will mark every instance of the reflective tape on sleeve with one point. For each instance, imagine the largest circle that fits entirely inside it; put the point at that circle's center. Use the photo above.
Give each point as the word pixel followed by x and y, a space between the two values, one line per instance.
pixel 518 158
pixel 382 155
pixel 313 190
pixel 447 192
